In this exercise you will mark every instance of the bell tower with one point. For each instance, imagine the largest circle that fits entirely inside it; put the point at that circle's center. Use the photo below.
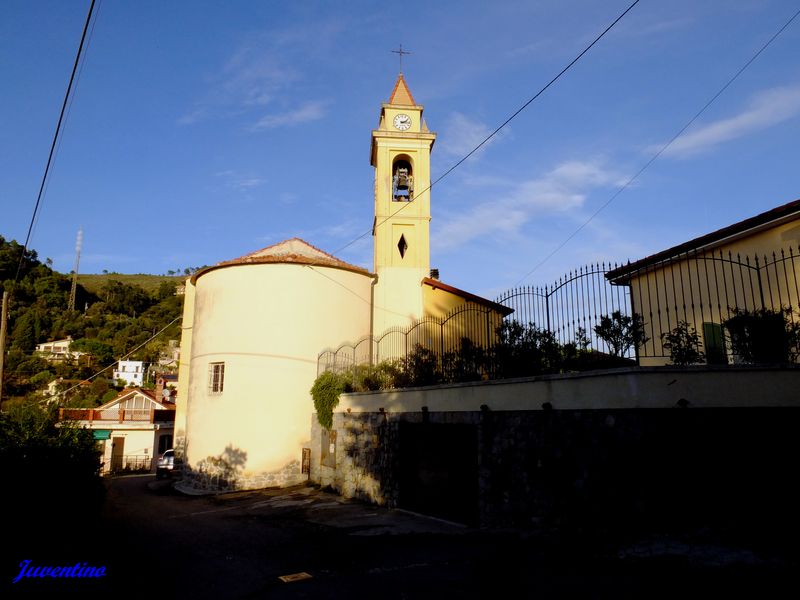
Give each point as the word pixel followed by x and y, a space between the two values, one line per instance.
pixel 400 154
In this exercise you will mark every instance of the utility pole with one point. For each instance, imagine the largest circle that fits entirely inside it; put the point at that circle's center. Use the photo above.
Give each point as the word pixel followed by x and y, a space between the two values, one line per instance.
pixel 3 320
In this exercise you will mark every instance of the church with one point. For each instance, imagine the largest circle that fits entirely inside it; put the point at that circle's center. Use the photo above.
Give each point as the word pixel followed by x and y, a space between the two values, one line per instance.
pixel 253 326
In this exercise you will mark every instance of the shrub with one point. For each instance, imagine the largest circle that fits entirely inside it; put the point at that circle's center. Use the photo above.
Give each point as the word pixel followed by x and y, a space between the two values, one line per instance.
pixel 621 332
pixel 683 344
pixel 325 392
pixel 764 336
pixel 524 350
pixel 420 367
pixel 365 378
pixel 39 455
pixel 468 363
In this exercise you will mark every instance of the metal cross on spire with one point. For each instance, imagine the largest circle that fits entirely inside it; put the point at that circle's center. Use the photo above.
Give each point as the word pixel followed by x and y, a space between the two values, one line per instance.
pixel 401 52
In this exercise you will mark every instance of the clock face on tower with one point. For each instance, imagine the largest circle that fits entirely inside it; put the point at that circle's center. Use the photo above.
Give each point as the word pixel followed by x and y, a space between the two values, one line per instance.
pixel 402 122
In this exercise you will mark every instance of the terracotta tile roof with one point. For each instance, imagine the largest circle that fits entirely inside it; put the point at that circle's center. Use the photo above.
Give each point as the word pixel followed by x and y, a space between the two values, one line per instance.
pixel 401 94
pixel 130 391
pixel 293 250
pixel 788 211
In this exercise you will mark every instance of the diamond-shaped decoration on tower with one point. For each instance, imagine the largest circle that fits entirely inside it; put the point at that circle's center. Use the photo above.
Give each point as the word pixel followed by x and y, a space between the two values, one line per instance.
pixel 402 246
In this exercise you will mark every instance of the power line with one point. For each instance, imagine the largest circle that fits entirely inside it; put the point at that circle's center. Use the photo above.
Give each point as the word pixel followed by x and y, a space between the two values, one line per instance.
pixel 662 149
pixel 500 127
pixel 142 345
pixel 55 140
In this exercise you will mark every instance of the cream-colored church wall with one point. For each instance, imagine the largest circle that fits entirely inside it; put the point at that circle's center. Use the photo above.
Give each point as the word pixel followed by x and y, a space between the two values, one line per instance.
pixel 267 324
pixel 440 303
pixel 184 368
pixel 398 297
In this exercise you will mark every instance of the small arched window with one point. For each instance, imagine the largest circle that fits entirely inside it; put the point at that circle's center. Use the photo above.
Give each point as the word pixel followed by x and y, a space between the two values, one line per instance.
pixel 402 181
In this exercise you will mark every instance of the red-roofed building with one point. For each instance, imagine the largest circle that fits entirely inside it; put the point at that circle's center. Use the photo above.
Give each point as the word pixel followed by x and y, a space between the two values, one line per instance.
pixel 133 429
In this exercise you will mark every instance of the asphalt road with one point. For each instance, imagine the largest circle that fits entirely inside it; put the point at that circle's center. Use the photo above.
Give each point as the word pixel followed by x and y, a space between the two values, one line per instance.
pixel 157 543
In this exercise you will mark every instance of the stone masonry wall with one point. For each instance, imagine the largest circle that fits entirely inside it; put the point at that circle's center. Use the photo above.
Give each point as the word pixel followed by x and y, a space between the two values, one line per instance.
pixel 598 470
pixel 219 478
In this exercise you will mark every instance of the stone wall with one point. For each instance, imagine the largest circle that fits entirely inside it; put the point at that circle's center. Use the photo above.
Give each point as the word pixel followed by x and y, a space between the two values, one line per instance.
pixel 596 468
pixel 220 478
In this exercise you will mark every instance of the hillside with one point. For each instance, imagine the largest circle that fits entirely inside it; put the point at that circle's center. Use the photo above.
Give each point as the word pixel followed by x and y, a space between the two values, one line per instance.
pixel 150 283
pixel 116 316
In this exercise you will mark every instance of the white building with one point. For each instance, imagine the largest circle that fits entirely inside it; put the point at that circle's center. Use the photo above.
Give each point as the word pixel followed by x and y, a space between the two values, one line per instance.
pixel 131 371
pixel 57 350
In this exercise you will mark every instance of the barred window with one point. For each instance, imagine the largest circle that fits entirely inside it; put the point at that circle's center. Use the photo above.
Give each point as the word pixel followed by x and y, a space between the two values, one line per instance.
pixel 216 377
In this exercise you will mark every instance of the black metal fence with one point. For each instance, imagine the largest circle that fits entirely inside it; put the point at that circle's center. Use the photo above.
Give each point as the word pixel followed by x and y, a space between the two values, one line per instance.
pixel 704 290
pixel 131 463
pixel 439 335
pixel 701 289
pixel 571 306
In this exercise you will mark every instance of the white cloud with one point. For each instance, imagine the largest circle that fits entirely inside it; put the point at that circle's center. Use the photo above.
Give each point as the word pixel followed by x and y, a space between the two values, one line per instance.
pixel 561 190
pixel 461 134
pixel 251 79
pixel 309 111
pixel 528 49
pixel 248 184
pixel 656 27
pixel 767 109
pixel 239 182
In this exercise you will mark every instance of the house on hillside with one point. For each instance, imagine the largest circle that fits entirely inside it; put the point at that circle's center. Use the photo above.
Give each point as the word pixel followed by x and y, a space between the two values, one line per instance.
pixel 130 371
pixel 58 350
pixel 751 265
pixel 132 429
pixel 169 358
pixel 56 389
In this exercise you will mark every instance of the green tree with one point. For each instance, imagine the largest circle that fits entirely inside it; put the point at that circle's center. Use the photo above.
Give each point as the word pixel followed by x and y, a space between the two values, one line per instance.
pixel 524 350
pixel 764 336
pixel 101 351
pixel 40 455
pixel 621 332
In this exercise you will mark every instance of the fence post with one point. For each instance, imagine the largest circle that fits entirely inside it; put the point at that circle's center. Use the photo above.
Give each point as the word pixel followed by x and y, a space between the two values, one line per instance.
pixel 547 309
pixel 760 285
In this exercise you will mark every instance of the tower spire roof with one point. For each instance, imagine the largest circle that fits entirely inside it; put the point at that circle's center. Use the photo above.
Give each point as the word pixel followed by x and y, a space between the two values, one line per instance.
pixel 401 94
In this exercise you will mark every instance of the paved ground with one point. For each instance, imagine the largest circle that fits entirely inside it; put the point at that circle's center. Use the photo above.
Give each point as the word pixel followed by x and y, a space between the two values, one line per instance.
pixel 156 542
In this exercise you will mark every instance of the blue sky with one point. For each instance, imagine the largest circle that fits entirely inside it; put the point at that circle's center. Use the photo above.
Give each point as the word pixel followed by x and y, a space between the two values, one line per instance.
pixel 201 131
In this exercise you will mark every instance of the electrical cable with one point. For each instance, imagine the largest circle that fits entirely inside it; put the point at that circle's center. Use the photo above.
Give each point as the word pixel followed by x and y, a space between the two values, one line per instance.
pixel 500 127
pixel 661 150
pixel 142 345
pixel 55 141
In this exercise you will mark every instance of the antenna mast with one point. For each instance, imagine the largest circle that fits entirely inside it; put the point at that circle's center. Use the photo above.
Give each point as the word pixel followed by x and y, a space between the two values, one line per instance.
pixel 78 245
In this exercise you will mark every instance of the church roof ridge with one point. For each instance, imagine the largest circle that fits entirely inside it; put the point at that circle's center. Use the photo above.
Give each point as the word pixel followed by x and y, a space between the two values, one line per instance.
pixel 401 95
pixel 293 250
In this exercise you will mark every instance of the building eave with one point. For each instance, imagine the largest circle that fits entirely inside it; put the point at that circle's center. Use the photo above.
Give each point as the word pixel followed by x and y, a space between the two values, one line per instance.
pixel 438 285
pixel 761 222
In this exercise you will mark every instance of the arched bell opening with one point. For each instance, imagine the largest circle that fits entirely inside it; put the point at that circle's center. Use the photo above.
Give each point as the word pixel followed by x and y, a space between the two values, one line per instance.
pixel 402 179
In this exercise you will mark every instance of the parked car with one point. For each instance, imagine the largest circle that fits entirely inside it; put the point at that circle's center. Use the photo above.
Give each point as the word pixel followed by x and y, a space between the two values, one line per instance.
pixel 166 463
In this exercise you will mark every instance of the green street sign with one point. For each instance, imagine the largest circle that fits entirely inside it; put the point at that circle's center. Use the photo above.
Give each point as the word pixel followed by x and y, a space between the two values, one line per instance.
pixel 102 434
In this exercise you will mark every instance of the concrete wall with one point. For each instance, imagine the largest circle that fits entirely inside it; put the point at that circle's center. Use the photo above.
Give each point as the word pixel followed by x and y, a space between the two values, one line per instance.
pixel 266 323
pixel 661 387
pixel 631 448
